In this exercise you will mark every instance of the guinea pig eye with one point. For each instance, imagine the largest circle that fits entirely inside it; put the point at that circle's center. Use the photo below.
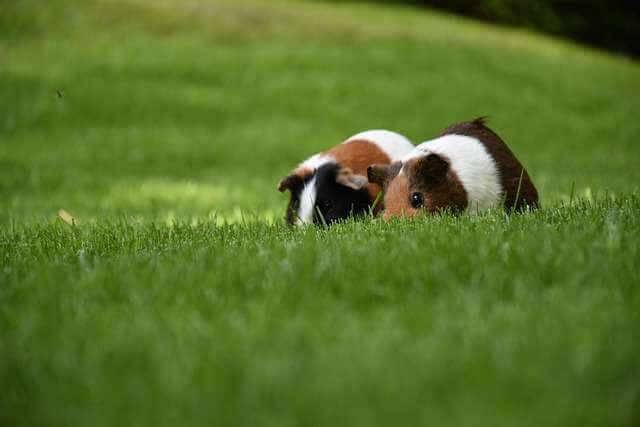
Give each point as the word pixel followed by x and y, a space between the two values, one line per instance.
pixel 416 200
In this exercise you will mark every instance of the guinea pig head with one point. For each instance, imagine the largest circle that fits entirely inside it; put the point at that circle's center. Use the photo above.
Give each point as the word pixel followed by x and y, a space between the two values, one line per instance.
pixel 325 195
pixel 418 185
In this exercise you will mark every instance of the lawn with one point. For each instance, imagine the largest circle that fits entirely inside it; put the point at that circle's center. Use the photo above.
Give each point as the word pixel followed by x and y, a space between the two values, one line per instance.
pixel 180 298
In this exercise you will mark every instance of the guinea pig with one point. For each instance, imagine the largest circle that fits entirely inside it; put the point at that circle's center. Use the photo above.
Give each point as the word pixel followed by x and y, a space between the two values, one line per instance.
pixel 468 167
pixel 333 185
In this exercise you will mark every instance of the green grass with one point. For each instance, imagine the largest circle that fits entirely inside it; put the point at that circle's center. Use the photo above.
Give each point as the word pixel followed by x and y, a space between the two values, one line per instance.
pixel 180 297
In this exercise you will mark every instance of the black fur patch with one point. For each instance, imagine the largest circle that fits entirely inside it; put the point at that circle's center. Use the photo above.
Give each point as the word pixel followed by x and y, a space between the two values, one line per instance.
pixel 336 201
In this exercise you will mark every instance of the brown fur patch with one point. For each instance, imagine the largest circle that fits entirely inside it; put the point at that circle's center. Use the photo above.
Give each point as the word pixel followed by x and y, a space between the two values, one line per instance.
pixel 296 178
pixel 358 155
pixel 382 174
pixel 446 193
pixel 509 168
pixel 396 201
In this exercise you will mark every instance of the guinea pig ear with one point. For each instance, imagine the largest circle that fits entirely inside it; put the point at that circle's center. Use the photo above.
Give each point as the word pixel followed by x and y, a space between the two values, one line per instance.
pixel 347 178
pixel 378 174
pixel 291 182
pixel 433 168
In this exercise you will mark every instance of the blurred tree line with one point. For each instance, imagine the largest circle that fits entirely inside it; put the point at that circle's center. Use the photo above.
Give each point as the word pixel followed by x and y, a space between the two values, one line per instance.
pixel 609 24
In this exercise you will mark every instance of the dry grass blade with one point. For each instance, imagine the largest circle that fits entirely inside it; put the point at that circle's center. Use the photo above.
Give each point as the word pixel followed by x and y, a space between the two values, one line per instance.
pixel 67 217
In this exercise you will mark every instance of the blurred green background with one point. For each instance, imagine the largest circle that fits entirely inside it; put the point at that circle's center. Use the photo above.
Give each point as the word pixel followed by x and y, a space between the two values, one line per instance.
pixel 171 109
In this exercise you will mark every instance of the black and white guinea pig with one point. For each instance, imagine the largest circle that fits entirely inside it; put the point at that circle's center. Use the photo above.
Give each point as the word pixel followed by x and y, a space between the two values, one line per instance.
pixel 333 185
pixel 468 167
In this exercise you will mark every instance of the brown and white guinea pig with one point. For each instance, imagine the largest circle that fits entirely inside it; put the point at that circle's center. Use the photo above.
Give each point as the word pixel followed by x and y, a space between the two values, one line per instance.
pixel 468 167
pixel 333 185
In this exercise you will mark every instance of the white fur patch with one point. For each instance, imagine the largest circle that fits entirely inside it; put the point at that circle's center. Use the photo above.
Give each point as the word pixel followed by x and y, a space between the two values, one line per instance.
pixel 396 146
pixel 308 194
pixel 473 164
pixel 317 160
pixel 307 203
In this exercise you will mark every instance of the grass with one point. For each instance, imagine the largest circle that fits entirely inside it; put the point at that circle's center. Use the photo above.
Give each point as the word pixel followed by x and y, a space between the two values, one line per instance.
pixel 181 298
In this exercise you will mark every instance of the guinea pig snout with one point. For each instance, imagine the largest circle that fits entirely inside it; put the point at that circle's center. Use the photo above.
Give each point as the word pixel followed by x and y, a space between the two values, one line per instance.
pixel 387 215
pixel 396 199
